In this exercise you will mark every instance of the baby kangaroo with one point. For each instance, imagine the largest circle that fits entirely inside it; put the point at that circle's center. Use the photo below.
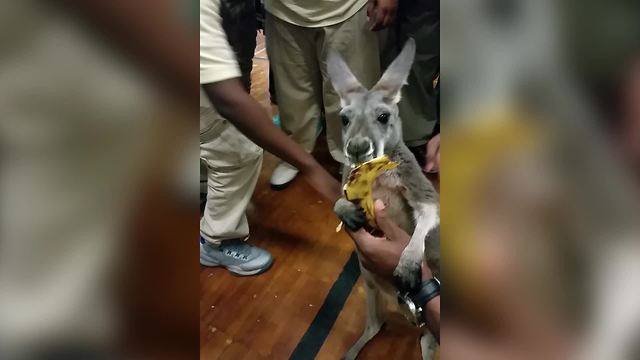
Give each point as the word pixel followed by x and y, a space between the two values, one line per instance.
pixel 372 128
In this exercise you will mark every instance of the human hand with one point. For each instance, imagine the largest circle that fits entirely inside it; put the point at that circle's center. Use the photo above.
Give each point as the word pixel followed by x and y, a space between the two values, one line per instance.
pixel 432 157
pixel 382 254
pixel 323 182
pixel 381 13
pixel 232 101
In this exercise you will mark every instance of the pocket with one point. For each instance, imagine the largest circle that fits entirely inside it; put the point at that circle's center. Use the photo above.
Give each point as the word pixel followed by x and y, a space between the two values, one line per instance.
pixel 211 124
pixel 224 146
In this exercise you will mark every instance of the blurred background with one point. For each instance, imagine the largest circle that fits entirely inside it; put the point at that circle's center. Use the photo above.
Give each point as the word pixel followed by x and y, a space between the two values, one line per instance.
pixel 539 187
pixel 98 131
pixel 539 179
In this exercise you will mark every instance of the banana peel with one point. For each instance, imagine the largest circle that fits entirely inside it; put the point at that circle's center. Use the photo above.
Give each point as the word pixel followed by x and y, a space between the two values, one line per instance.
pixel 359 185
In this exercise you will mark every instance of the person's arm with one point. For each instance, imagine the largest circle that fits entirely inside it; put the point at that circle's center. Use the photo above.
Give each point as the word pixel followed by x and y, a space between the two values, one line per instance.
pixel 381 256
pixel 232 102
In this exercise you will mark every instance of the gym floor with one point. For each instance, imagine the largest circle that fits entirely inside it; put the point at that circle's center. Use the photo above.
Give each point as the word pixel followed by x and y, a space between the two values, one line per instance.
pixel 311 303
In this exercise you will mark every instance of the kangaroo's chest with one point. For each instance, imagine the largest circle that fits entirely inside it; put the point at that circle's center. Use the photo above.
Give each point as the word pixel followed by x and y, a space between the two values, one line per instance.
pixel 389 188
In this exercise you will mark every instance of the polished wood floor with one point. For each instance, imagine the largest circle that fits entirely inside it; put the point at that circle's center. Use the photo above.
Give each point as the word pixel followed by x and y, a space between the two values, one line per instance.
pixel 264 317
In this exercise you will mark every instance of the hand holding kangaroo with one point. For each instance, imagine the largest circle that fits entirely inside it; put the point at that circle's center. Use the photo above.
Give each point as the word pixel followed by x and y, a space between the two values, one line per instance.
pixel 381 255
pixel 372 128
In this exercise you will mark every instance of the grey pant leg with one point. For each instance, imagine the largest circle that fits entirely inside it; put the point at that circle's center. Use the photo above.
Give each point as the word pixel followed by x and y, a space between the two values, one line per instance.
pixel 419 20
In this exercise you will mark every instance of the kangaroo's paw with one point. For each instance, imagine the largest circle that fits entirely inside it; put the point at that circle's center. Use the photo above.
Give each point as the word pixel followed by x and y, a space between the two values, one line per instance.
pixel 352 215
pixel 408 272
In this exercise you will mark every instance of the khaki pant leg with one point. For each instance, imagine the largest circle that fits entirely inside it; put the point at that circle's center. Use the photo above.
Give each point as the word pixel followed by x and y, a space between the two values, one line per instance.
pixel 359 48
pixel 298 80
pixel 233 166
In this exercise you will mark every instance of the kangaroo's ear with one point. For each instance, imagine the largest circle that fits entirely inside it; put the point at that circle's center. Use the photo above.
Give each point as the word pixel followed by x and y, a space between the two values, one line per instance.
pixel 341 78
pixel 396 75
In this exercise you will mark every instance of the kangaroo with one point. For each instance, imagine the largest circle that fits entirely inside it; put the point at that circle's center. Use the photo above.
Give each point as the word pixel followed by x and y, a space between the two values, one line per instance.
pixel 372 128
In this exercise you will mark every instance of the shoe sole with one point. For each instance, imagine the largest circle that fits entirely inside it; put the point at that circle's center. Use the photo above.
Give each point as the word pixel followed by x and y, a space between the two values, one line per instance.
pixel 235 270
pixel 280 187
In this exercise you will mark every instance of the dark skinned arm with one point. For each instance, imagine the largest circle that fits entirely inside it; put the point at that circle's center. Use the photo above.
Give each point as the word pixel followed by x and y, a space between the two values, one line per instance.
pixel 170 56
pixel 382 254
pixel 232 102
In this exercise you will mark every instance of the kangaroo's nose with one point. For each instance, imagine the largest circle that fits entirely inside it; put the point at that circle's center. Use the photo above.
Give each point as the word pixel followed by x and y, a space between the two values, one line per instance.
pixel 359 146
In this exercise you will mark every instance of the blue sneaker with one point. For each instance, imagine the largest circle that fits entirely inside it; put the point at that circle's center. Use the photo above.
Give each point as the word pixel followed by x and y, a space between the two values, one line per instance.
pixel 236 256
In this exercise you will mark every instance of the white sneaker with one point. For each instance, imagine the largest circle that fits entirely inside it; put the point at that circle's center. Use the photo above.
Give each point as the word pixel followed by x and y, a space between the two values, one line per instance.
pixel 282 176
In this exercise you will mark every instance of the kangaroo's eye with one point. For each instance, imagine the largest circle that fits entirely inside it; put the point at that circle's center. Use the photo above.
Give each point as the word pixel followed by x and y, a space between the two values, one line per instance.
pixel 345 120
pixel 383 118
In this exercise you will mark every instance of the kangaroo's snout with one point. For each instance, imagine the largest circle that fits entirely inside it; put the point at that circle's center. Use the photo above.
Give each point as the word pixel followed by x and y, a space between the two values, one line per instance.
pixel 359 149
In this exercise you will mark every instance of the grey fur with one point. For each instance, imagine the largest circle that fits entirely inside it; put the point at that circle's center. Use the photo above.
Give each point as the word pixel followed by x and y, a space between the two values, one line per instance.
pixel 352 215
pixel 410 199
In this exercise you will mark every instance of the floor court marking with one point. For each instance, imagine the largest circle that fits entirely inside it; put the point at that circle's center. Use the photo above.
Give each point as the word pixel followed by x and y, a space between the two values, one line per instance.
pixel 320 327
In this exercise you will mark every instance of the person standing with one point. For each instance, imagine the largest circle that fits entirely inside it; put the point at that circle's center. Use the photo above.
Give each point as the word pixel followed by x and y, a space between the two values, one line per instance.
pixel 299 35
pixel 233 126
pixel 419 108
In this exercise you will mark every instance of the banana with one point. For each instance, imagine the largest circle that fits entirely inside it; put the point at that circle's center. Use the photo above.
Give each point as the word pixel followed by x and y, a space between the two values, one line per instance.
pixel 358 187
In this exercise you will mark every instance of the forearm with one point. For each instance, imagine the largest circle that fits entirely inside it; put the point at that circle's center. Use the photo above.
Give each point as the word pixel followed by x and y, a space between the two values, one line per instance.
pixel 233 103
pixel 250 118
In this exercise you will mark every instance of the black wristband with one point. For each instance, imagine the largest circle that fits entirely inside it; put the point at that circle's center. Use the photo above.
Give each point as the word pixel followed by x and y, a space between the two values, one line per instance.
pixel 428 290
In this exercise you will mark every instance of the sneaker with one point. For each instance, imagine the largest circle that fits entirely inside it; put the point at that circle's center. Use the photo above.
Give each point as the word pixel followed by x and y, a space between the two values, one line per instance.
pixel 236 256
pixel 282 176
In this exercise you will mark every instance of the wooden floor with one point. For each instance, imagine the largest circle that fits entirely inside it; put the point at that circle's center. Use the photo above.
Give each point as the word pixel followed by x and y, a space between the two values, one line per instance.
pixel 265 317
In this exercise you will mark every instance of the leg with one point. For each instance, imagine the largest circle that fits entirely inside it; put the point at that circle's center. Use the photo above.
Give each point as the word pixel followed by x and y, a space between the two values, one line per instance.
pixel 408 269
pixel 359 48
pixel 233 165
pixel 239 23
pixel 419 20
pixel 231 162
pixel 298 87
pixel 428 345
pixel 375 317
pixel 297 79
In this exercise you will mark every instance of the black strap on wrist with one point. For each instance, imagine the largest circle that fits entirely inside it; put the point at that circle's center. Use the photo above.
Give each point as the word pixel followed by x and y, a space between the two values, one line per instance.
pixel 427 291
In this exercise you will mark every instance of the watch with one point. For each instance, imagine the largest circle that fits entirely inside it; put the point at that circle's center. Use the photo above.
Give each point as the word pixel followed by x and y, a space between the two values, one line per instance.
pixel 415 300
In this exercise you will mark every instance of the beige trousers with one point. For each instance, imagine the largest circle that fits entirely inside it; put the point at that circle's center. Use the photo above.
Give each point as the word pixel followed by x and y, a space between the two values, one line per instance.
pixel 233 165
pixel 297 56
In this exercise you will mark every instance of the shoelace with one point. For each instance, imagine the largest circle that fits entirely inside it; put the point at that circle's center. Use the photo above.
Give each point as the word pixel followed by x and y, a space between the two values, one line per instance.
pixel 236 249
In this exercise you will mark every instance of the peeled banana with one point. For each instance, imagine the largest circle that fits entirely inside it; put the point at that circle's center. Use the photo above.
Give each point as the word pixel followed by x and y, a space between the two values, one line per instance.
pixel 358 187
